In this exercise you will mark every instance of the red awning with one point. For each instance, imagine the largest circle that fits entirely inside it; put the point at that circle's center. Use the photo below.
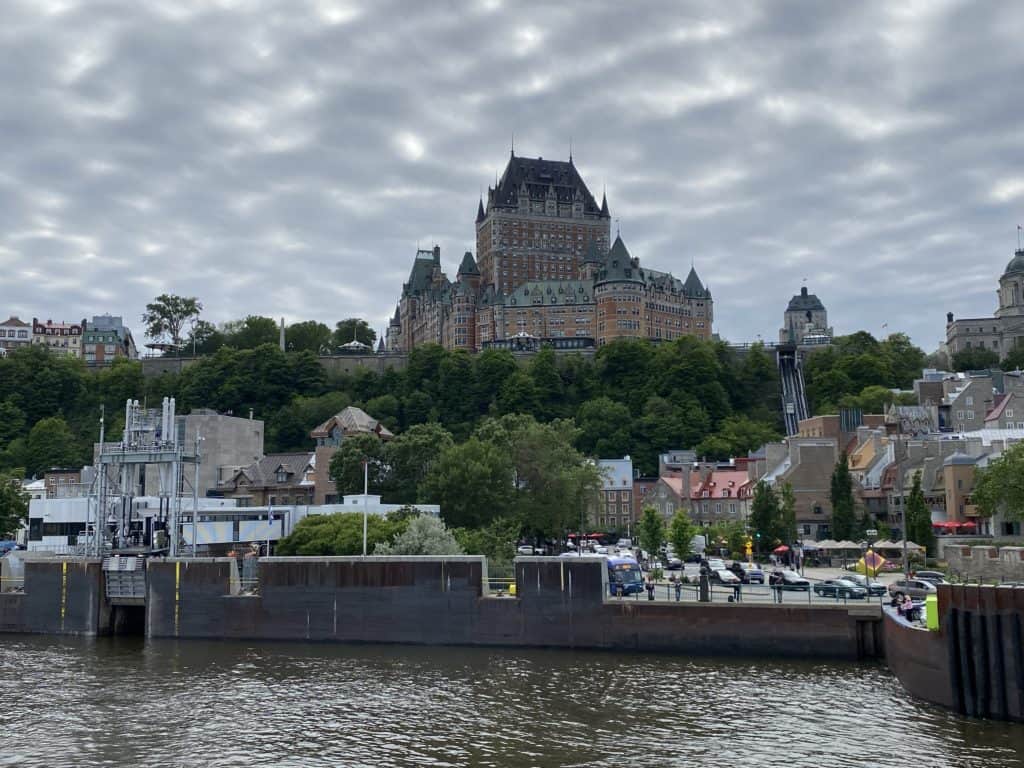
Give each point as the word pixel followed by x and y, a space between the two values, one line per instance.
pixel 968 524
pixel 780 549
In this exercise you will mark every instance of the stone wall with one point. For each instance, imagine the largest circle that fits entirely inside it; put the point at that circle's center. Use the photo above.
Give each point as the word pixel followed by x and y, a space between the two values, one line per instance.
pixel 1003 563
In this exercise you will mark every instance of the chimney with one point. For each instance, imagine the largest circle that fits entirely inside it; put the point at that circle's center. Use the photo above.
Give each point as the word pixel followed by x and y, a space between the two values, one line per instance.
pixel 803 291
pixel 949 318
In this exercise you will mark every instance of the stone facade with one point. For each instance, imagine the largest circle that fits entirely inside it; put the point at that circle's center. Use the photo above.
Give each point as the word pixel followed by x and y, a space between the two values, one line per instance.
pixel 106 338
pixel 1005 329
pixel 805 321
pixel 60 338
pixel 544 274
pixel 14 333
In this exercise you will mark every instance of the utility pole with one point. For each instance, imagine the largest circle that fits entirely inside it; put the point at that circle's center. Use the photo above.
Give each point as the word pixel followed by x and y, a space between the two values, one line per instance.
pixel 899 490
pixel 366 486
pixel 195 498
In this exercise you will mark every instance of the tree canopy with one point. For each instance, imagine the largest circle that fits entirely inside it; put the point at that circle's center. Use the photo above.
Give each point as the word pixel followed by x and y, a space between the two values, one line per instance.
pixel 167 314
pixel 999 487
pixel 13 504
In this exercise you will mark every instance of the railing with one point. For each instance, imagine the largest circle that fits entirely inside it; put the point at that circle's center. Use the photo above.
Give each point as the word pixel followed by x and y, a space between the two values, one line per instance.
pixel 499 587
pixel 12 584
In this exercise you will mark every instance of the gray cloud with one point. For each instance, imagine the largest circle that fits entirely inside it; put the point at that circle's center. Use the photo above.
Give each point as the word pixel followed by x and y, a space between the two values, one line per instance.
pixel 286 157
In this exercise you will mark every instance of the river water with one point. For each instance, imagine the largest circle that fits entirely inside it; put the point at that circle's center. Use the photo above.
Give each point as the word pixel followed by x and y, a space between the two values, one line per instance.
pixel 124 702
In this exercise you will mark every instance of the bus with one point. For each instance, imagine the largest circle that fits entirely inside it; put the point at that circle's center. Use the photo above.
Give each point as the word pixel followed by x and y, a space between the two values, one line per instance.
pixel 624 576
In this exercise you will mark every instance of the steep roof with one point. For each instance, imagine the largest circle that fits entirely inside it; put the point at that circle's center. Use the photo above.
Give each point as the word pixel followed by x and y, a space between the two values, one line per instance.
pixel 468 265
pixel 549 292
pixel 619 266
pixel 264 471
pixel 804 302
pixel 593 254
pixel 480 215
pixel 352 421
pixel 539 177
pixel 693 287
pixel 420 277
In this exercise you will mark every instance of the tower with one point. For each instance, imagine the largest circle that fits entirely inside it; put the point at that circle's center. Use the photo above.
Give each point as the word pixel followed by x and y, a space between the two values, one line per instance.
pixel 538 223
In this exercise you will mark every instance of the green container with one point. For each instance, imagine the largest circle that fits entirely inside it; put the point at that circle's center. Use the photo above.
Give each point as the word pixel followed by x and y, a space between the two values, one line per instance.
pixel 931 612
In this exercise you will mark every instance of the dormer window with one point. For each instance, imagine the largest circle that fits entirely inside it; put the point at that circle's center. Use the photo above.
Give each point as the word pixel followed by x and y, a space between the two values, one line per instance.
pixel 282 476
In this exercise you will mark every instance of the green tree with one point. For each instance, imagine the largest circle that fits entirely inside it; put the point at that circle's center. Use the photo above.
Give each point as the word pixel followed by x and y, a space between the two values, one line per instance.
pixel 736 436
pixel 605 428
pixel 472 482
pixel 309 335
pixel 651 530
pixel 681 531
pixel 975 359
pixel 167 314
pixel 341 534
pixel 999 487
pixel 787 514
pixel 354 328
pixel 252 332
pixel 547 385
pixel 844 520
pixel 919 519
pixel 12 421
pixel 1014 361
pixel 347 465
pixel 425 535
pixel 13 505
pixel 496 541
pixel 204 338
pixel 289 427
pixel 764 516
pixel 410 456
pixel 51 444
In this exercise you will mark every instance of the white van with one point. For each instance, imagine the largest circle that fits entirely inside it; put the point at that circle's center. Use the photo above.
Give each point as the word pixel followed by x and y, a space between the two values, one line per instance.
pixel 624 544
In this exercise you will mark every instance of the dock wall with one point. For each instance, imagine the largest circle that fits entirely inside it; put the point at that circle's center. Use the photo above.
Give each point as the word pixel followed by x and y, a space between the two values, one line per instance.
pixel 440 601
pixel 974 663
pixel 60 597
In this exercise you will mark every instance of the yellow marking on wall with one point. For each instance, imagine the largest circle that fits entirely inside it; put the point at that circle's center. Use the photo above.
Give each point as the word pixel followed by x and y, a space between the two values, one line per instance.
pixel 63 592
pixel 177 597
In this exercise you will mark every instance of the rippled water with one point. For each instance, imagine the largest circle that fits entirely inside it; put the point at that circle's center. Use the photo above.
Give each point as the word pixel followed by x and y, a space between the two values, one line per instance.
pixel 114 702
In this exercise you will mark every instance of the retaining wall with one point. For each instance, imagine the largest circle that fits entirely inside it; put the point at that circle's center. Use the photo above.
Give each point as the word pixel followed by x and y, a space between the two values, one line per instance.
pixel 61 597
pixel 559 603
pixel 974 664
pixel 985 562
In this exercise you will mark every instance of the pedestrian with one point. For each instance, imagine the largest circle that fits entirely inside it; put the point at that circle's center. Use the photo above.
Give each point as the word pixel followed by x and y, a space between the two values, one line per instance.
pixel 736 590
pixel 775 580
pixel 679 590
pixel 650 588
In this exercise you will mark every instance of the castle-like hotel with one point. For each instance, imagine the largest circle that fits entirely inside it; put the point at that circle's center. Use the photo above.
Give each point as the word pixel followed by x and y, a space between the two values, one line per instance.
pixel 546 272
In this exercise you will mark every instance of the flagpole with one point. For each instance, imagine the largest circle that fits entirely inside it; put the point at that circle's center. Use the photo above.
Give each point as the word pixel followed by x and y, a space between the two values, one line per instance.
pixel 366 485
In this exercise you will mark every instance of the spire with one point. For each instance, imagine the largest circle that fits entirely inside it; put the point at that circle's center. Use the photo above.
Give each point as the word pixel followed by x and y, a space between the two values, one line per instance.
pixel 468 266
pixel 693 286
pixel 604 206
pixel 480 211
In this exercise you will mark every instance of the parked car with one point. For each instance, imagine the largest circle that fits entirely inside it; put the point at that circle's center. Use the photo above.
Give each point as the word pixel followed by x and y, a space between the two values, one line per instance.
pixel 725 577
pixel 716 564
pixel 794 582
pixel 749 573
pixel 935 577
pixel 7 545
pixel 840 588
pixel 601 550
pixel 874 588
pixel 675 564
pixel 916 588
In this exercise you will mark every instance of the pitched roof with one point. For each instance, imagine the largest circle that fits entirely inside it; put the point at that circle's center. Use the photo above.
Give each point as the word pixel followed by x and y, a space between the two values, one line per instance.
pixel 804 302
pixel 549 292
pixel 693 287
pixel 468 265
pixel 352 421
pixel 619 266
pixel 16 321
pixel 480 215
pixel 264 471
pixel 420 277
pixel 539 177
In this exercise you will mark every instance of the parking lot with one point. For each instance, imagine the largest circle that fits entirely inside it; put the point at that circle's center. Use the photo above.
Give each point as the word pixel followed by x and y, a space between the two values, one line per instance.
pixel 665 590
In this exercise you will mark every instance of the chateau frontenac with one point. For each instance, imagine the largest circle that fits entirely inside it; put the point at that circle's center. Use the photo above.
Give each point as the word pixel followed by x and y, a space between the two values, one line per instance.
pixel 546 272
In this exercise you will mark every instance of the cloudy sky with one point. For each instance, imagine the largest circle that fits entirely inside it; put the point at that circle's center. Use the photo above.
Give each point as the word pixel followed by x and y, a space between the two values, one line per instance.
pixel 285 158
